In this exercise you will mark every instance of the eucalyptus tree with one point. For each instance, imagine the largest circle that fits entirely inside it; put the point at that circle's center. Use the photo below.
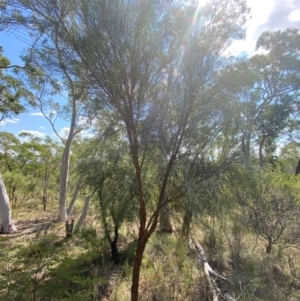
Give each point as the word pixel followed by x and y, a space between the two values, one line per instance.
pixel 50 155
pixel 10 146
pixel 6 222
pixel 73 109
pixel 25 163
pixel 11 92
pixel 288 159
pixel 56 73
pixel 41 162
pixel 266 87
pixel 28 166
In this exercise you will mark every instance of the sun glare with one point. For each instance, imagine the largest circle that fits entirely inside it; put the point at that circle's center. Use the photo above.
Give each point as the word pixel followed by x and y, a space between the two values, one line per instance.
pixel 200 3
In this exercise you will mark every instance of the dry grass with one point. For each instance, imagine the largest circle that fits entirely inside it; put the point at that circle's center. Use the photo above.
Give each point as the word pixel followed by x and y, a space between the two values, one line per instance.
pixel 40 255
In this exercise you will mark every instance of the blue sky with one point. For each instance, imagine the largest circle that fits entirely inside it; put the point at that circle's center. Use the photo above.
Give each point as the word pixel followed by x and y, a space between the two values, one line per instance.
pixel 32 121
pixel 266 15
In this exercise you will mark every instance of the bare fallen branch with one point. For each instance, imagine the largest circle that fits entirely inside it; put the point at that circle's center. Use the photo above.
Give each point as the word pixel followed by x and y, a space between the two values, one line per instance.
pixel 209 272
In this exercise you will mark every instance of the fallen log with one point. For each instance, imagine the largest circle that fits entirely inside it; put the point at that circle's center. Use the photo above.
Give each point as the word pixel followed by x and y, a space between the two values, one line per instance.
pixel 210 274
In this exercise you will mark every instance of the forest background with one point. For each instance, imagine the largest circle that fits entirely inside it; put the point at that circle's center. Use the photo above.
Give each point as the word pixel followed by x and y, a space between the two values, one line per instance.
pixel 171 139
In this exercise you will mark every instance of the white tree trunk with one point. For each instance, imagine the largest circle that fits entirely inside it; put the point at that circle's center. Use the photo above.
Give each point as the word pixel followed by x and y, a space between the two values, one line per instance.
pixel 65 165
pixel 63 183
pixel 72 203
pixel 83 214
pixel 64 174
pixel 6 223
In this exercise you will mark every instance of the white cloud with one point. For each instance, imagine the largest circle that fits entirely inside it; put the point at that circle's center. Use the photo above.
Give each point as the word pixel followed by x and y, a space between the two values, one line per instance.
pixel 260 11
pixel 33 133
pixel 295 15
pixel 8 120
pixel 283 15
pixel 86 134
pixel 82 120
pixel 64 132
pixel 14 120
pixel 37 114
pixel 86 122
pixel 42 127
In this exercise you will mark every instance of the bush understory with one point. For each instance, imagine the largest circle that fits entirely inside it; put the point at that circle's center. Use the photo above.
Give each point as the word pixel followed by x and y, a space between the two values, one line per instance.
pixel 42 264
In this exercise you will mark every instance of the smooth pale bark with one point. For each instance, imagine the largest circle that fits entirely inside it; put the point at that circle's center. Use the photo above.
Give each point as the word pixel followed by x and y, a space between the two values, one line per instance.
pixel 63 182
pixel 65 164
pixel 74 198
pixel 6 223
pixel 83 214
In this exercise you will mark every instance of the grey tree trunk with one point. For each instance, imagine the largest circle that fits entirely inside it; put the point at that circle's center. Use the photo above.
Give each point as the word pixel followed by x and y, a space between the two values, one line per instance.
pixel 63 182
pixel 65 165
pixel 74 198
pixel 84 213
pixel 6 224
pixel 75 97
pixel 269 246
pixel 165 217
pixel 186 225
pixel 246 147
pixel 260 151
